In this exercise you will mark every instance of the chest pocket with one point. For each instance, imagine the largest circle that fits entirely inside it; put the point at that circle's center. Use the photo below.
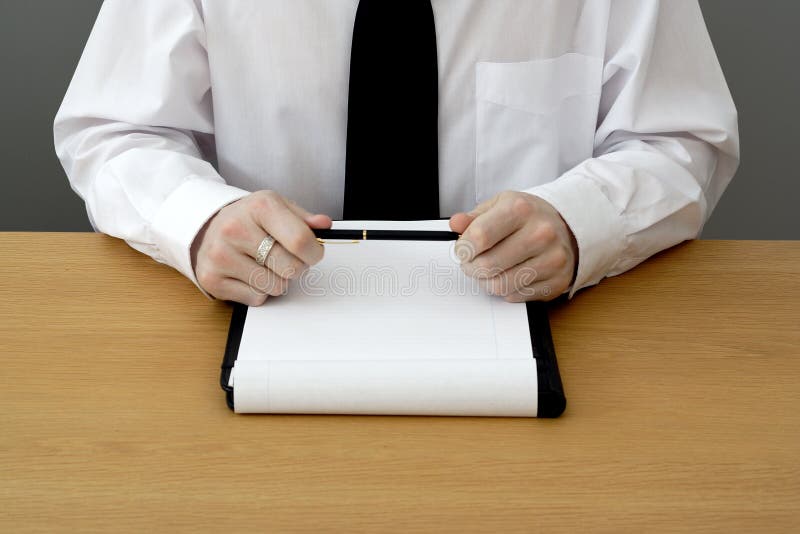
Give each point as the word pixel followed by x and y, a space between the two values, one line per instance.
pixel 535 120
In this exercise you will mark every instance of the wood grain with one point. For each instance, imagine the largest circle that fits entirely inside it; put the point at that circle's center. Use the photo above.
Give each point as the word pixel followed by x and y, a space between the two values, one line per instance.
pixel 683 380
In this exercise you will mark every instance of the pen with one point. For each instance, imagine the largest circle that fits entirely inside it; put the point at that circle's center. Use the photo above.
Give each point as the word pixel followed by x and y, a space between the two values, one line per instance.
pixel 386 235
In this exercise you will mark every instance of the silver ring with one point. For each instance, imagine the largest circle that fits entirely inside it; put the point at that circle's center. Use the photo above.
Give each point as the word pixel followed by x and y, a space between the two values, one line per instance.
pixel 264 249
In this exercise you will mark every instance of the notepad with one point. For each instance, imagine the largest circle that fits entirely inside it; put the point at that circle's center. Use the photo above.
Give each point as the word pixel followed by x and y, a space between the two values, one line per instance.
pixel 386 327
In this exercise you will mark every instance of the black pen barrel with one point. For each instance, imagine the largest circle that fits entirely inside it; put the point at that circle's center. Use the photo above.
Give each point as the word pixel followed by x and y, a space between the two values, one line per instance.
pixel 387 235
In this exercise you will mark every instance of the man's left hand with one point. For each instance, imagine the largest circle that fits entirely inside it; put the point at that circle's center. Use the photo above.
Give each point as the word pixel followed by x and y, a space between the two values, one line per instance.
pixel 517 246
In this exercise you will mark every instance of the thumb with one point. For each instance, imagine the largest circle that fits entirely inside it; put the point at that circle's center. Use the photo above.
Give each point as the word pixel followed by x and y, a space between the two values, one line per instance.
pixel 316 221
pixel 461 221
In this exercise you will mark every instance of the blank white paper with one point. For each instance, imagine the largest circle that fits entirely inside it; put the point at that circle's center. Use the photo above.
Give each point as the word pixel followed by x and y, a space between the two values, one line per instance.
pixel 387 327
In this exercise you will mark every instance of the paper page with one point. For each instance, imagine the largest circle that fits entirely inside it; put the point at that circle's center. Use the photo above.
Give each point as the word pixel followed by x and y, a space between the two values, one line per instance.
pixel 386 327
pixel 388 387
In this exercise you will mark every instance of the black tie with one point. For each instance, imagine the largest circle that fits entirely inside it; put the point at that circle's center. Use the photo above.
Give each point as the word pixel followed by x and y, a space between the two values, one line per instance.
pixel 392 169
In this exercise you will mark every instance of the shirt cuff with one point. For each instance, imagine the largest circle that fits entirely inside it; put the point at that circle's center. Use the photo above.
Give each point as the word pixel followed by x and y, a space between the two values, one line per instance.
pixel 594 221
pixel 183 214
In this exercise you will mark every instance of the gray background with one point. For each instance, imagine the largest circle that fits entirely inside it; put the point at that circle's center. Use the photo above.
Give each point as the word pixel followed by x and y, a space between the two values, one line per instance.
pixel 757 42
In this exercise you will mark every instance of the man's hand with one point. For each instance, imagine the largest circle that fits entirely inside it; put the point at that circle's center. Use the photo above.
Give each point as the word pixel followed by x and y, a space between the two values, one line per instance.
pixel 517 246
pixel 223 253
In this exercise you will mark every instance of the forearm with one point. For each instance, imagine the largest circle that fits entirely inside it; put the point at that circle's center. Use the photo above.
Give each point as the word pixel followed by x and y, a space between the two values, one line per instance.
pixel 127 130
pixel 148 186
pixel 636 200
pixel 666 145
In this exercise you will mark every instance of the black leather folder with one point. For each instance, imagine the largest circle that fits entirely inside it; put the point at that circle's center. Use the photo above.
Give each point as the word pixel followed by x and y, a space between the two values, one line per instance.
pixel 551 399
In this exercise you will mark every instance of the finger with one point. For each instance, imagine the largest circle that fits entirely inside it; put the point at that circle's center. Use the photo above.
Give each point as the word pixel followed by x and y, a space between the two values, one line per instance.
pixel 492 226
pixel 542 291
pixel 245 269
pixel 484 206
pixel 551 265
pixel 512 280
pixel 284 263
pixel 319 222
pixel 243 234
pixel 264 280
pixel 316 221
pixel 459 222
pixel 246 237
pixel 238 291
pixel 276 219
pixel 546 288
pixel 513 250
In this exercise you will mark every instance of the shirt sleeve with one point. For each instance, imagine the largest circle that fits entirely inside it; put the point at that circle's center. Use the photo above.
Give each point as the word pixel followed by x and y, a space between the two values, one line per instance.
pixel 135 130
pixel 666 146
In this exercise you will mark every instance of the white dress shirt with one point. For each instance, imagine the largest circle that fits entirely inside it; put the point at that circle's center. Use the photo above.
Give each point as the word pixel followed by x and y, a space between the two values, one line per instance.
pixel 616 112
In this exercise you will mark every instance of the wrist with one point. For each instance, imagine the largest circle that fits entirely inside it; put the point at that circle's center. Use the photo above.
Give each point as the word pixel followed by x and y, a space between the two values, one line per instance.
pixel 178 226
pixel 198 241
pixel 573 243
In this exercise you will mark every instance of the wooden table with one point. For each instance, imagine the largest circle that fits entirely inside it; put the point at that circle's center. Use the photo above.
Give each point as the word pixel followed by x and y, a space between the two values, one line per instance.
pixel 683 380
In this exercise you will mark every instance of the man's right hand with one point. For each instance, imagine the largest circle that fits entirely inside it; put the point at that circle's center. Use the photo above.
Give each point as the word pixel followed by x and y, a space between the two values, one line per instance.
pixel 223 253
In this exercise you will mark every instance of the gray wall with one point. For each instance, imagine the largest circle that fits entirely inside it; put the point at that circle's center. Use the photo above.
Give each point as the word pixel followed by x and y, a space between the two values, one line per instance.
pixel 40 43
pixel 757 41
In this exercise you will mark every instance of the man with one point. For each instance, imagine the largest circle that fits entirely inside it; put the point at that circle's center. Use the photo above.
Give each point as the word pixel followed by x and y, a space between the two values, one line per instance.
pixel 573 139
